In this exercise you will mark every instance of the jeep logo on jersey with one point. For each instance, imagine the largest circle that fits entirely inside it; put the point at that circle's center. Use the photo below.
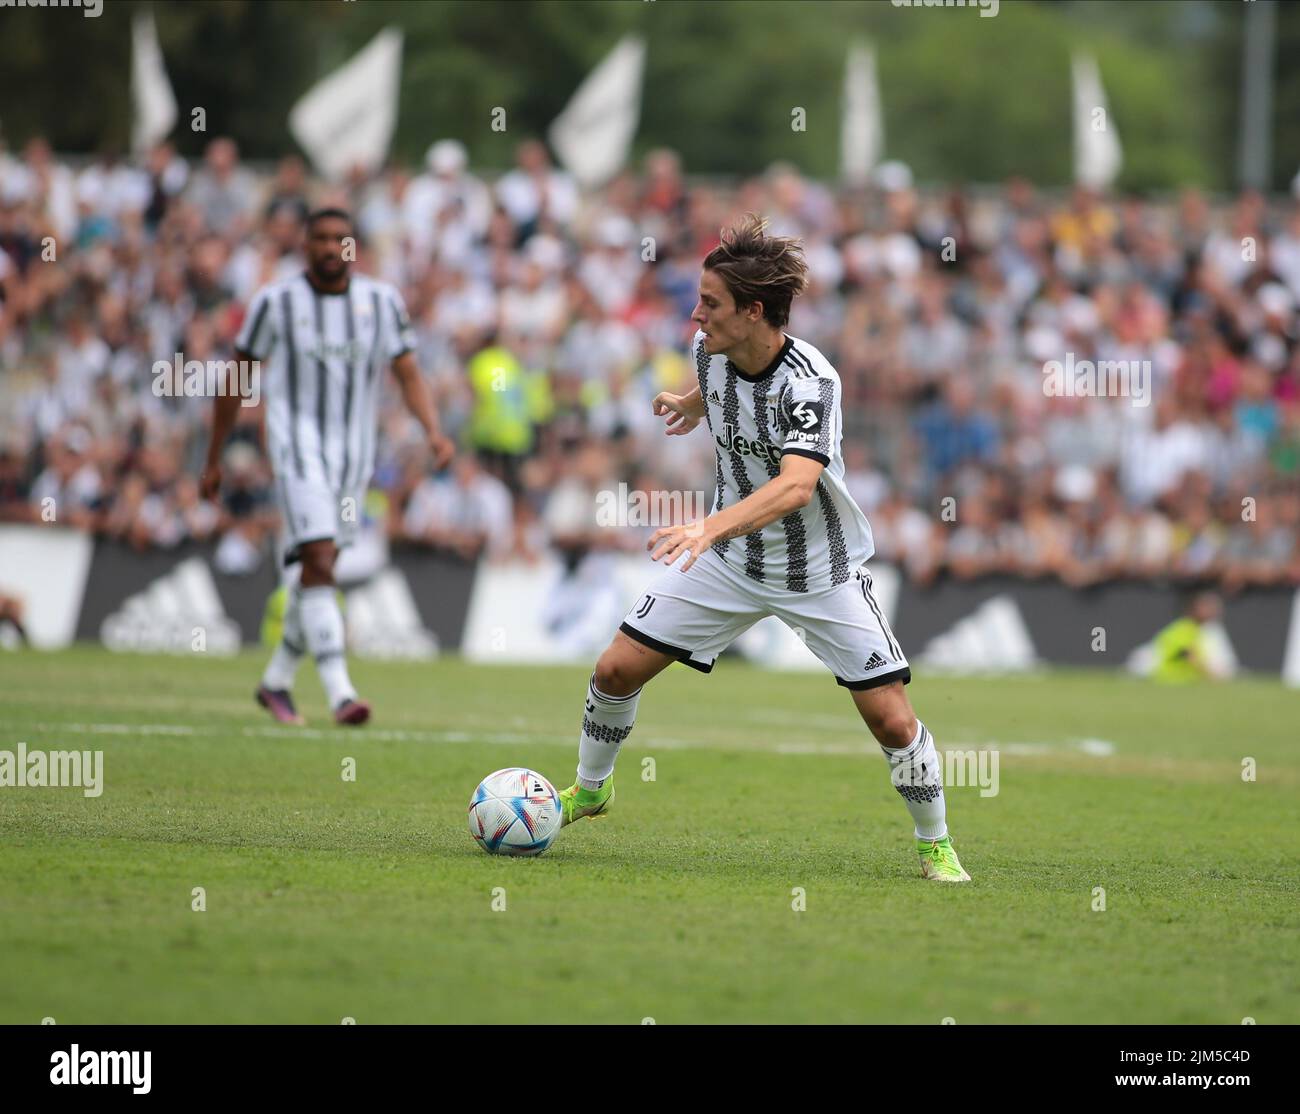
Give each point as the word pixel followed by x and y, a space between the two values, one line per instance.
pixel 733 442
pixel 806 421
pixel 350 350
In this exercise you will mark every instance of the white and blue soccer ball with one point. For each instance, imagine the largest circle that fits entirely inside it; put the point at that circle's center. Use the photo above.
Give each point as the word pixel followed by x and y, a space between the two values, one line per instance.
pixel 515 812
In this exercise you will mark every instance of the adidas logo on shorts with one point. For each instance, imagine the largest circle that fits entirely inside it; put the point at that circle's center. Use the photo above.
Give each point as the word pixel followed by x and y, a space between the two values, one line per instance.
pixel 875 662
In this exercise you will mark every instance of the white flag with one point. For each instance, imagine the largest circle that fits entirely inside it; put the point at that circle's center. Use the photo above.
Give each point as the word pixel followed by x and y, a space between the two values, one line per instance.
pixel 594 133
pixel 862 127
pixel 1097 156
pixel 151 93
pixel 347 119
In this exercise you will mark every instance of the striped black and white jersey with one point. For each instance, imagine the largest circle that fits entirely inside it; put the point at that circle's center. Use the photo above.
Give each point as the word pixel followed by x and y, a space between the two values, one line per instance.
pixel 322 360
pixel 793 406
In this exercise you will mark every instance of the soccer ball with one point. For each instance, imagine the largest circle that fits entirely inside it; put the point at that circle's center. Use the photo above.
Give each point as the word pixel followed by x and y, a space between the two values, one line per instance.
pixel 515 812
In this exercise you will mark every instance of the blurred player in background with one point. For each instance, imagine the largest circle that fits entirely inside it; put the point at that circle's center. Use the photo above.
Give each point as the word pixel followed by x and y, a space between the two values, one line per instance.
pixel 321 339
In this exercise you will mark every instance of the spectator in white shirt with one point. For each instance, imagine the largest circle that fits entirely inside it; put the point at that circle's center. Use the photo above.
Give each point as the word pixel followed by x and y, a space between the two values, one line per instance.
pixel 273 256
pixel 611 269
pixel 537 305
pixel 534 192
pixel 83 357
pixel 1154 460
pixel 465 306
pixel 70 481
pixel 446 210
pixel 223 191
pixel 468 512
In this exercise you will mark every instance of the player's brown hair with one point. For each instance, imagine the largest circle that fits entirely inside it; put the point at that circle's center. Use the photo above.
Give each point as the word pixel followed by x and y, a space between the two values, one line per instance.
pixel 756 267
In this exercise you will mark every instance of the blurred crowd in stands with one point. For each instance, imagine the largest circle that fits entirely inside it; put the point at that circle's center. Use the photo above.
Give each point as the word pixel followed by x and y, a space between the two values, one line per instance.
pixel 549 318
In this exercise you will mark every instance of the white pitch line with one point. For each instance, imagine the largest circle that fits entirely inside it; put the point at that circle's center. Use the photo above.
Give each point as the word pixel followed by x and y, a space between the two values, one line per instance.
pixel 852 748
pixel 1098 748
pixel 125 728
pixel 290 733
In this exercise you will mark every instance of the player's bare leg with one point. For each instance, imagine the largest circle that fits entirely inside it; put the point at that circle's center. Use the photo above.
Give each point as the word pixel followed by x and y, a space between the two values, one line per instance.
pixel 609 713
pixel 626 665
pixel 323 632
pixel 915 771
pixel 275 693
pixel 11 612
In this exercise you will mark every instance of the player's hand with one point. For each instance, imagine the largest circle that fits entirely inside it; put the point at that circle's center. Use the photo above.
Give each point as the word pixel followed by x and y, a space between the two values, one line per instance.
pixel 669 542
pixel 442 448
pixel 210 481
pixel 680 419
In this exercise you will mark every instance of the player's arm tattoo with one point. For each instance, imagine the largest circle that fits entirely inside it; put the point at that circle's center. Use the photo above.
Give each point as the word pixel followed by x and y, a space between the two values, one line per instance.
pixel 737 530
pixel 781 495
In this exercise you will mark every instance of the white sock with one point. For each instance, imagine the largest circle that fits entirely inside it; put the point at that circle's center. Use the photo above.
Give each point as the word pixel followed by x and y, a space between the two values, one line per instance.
pixel 916 773
pixel 606 722
pixel 283 666
pixel 322 626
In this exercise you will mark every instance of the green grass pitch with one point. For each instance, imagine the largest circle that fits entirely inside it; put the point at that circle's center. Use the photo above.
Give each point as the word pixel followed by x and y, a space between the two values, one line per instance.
pixel 368 899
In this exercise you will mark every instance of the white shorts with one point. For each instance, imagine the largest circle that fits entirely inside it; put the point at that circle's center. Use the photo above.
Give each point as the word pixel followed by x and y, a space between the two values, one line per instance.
pixel 695 615
pixel 312 511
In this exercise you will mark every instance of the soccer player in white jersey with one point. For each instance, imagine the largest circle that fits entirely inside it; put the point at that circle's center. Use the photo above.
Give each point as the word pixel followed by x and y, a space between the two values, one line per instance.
pixel 321 339
pixel 784 538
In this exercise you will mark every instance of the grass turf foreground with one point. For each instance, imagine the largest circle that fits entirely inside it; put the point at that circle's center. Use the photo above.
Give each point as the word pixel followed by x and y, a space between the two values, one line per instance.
pixel 327 898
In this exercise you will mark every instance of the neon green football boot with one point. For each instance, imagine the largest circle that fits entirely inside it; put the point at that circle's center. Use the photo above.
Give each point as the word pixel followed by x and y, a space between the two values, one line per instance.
pixel 939 862
pixel 593 803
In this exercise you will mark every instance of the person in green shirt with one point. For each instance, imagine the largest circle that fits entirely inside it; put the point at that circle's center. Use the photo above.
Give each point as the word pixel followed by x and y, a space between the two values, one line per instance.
pixel 1182 651
pixel 509 402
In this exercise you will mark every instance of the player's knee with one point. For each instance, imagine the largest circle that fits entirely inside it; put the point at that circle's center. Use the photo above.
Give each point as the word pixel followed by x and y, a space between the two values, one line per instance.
pixel 893 726
pixel 317 574
pixel 317 565
pixel 612 676
pixel 900 729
